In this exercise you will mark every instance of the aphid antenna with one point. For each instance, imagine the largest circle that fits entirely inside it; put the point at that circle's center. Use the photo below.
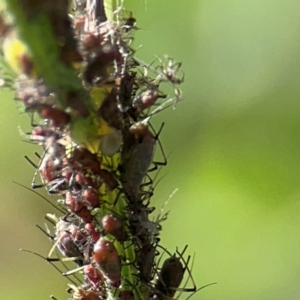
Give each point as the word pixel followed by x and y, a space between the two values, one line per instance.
pixel 43 197
pixel 33 185
pixel 53 298
pixel 45 258
pixel 51 237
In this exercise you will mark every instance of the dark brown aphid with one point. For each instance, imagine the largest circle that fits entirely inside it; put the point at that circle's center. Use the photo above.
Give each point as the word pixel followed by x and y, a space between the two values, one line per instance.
pixel 107 258
pixel 98 70
pixel 110 111
pixel 170 276
pixel 137 154
pixel 146 261
pixel 68 248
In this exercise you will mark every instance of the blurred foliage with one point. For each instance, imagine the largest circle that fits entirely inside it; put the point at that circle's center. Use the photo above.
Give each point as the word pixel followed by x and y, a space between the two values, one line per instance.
pixel 233 148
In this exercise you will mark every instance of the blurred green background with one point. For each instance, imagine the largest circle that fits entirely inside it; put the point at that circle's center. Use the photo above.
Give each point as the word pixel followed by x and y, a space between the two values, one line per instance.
pixel 235 153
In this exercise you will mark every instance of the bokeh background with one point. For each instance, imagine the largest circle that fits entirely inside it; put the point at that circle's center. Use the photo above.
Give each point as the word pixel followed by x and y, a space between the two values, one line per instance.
pixel 233 148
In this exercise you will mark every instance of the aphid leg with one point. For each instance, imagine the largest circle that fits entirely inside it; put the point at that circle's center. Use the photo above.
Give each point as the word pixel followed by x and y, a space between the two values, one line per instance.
pixel 33 182
pixel 46 258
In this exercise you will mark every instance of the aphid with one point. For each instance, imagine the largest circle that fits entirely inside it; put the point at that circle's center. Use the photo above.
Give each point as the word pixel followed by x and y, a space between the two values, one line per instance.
pixel 91 197
pixel 84 158
pixel 93 275
pixel 98 69
pixel 170 71
pixel 146 99
pixel 171 275
pixel 110 111
pixel 50 172
pixel 114 226
pixel 78 208
pixel 58 117
pixel 109 179
pixel 84 180
pixel 68 238
pixel 146 261
pixel 137 155
pixel 129 23
pixel 92 232
pixel 107 258
pixel 127 88
pixel 68 248
pixel 38 134
pixel 81 294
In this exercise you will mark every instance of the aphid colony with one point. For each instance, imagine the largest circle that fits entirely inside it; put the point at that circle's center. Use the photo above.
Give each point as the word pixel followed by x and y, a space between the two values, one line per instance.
pixel 98 148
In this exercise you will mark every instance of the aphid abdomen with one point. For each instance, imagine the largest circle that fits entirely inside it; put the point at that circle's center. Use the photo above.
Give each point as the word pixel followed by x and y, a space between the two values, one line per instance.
pixel 140 155
pixel 107 258
pixel 170 276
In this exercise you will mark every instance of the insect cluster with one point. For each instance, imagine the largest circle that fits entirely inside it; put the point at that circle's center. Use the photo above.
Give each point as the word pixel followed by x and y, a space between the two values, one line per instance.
pixel 98 146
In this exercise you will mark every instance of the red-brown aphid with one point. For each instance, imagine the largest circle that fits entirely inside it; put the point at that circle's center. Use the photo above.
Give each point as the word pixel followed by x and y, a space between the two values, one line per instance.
pixel 114 226
pixel 107 258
